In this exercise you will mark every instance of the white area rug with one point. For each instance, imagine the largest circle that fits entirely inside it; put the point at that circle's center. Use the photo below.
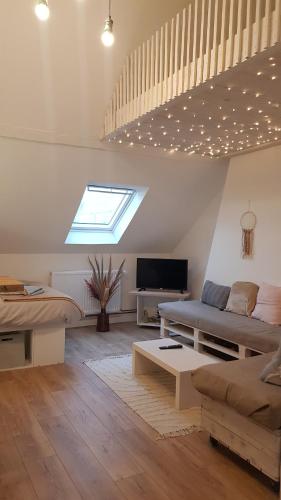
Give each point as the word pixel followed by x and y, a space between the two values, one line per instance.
pixel 152 397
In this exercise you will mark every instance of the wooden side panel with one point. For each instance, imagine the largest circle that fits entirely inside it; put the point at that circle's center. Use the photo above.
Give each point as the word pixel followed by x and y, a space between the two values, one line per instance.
pixel 252 442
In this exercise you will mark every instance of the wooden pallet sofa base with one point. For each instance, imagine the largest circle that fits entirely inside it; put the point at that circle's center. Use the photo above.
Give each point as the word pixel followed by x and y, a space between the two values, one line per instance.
pixel 218 332
pixel 204 341
pixel 260 446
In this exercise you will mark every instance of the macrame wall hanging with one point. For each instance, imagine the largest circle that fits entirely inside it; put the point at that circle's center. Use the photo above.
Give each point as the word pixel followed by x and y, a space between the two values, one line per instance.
pixel 248 223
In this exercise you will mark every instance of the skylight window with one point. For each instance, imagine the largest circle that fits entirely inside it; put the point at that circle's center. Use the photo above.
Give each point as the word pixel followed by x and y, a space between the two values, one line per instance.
pixel 101 207
pixel 104 214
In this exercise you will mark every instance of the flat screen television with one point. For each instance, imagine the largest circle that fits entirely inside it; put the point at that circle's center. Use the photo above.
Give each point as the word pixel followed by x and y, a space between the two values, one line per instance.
pixel 166 274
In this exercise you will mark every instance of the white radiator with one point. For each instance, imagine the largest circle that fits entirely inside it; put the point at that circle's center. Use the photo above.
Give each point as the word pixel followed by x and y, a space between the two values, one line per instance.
pixel 73 283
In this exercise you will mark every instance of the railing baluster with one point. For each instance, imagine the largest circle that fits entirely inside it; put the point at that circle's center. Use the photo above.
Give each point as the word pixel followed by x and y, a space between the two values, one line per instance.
pixel 166 70
pixel 139 83
pixel 143 80
pixel 208 42
pixel 170 86
pixel 222 43
pixel 266 27
pixel 231 36
pixel 239 32
pixel 156 73
pixel 161 66
pixel 131 87
pixel 194 51
pixel 249 30
pixel 135 83
pixel 147 75
pixel 127 89
pixel 276 31
pixel 188 52
pixel 151 73
pixel 214 61
pixel 181 70
pixel 176 57
pixel 257 31
pixel 201 45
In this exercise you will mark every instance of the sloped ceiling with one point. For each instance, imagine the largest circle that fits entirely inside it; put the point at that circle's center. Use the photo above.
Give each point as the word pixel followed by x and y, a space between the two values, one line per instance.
pixel 56 77
pixel 42 185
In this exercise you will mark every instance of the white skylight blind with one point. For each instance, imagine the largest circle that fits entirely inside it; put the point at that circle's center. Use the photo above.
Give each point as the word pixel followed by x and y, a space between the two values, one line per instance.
pixel 102 207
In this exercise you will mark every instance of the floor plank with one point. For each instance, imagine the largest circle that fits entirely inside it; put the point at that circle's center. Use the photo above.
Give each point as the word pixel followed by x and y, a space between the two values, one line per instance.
pixel 64 435
pixel 50 479
pixel 90 478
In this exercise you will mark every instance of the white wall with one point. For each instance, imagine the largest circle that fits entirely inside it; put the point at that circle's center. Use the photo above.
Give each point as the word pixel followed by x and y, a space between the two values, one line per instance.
pixel 42 185
pixel 196 246
pixel 256 177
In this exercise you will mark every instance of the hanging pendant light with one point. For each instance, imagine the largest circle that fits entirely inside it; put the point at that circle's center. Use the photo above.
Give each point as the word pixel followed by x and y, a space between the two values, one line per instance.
pixel 107 36
pixel 42 10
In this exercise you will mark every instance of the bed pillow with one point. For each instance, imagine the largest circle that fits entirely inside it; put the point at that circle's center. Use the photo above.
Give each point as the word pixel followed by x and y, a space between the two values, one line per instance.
pixel 268 307
pixel 243 298
pixel 215 295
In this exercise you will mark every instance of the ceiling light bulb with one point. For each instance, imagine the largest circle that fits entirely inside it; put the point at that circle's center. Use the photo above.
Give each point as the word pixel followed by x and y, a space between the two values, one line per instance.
pixel 107 36
pixel 42 10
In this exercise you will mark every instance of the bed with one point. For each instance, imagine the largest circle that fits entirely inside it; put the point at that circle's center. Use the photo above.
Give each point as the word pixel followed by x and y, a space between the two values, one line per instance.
pixel 43 318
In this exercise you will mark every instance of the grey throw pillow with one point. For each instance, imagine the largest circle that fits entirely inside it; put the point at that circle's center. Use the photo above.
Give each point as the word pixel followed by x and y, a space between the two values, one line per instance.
pixel 215 295
pixel 272 371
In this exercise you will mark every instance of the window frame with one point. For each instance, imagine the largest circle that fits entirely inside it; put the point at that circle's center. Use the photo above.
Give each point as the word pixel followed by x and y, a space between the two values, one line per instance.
pixel 116 217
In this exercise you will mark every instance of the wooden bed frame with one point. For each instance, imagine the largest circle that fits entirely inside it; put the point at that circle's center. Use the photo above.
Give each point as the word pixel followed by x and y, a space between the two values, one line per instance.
pixel 254 443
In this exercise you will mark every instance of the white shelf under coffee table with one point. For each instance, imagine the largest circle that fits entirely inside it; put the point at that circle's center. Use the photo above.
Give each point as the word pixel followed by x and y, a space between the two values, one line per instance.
pixel 148 358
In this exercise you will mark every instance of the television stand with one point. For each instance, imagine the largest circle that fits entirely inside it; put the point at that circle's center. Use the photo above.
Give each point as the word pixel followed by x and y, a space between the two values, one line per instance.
pixel 149 299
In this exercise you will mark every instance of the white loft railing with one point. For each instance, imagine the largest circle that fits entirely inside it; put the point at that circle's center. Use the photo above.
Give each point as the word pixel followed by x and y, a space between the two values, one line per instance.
pixel 205 39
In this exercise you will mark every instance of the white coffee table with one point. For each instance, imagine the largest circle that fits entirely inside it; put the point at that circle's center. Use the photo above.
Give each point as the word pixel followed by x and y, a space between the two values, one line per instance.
pixel 148 358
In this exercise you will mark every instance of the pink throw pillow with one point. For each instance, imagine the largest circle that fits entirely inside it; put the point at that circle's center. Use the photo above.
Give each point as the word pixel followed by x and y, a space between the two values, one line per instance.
pixel 268 307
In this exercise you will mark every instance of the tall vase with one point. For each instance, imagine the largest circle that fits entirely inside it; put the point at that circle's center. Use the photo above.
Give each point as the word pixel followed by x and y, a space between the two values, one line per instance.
pixel 103 321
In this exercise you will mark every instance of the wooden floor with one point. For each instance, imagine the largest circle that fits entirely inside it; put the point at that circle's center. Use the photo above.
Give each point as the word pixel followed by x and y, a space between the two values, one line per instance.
pixel 65 435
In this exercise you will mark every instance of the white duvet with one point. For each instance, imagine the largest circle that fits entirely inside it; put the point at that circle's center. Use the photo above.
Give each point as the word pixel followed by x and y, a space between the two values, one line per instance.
pixel 50 308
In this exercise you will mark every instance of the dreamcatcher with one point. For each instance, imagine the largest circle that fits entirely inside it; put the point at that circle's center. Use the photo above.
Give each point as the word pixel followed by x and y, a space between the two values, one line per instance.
pixel 248 223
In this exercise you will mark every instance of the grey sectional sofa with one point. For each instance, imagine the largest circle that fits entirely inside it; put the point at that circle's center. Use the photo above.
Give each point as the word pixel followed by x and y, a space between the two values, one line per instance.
pixel 209 328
